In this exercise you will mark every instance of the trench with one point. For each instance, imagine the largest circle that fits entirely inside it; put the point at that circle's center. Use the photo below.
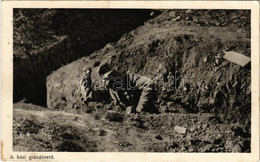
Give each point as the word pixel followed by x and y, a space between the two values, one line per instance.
pixel 79 32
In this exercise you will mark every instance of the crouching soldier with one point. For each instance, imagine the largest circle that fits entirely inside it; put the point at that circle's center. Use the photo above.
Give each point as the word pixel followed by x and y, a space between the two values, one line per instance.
pixel 101 87
pixel 145 85
pixel 108 75
pixel 142 83
pixel 91 91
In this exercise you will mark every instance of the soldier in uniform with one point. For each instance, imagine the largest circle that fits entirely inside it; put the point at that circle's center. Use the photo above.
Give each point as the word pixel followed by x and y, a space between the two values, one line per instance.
pixel 144 84
pixel 86 84
pixel 106 73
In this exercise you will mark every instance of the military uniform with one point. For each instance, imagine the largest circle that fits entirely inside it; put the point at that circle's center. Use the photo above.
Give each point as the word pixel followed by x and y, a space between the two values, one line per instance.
pixel 146 85
pixel 140 82
pixel 86 85
pixel 99 90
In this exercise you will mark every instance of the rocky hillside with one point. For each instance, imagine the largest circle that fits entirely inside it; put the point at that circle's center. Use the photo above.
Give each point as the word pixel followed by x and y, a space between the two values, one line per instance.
pixel 167 44
pixel 208 111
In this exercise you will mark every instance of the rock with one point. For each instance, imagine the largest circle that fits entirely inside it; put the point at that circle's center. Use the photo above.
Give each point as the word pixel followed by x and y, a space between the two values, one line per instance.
pixel 79 111
pixel 177 18
pixel 215 69
pixel 235 83
pixel 224 64
pixel 188 11
pixel 228 144
pixel 129 110
pixel 127 97
pixel 172 14
pixel 91 104
pixel 188 137
pixel 205 126
pixel 207 148
pixel 217 61
pixel 170 104
pixel 248 90
pixel 211 101
pixel 205 59
pixel 162 108
pixel 207 137
pixel 28 134
pixel 218 76
pixel 180 130
pixel 108 46
pixel 193 128
pixel 183 148
pixel 75 107
pixel 236 148
pixel 191 149
pixel 145 124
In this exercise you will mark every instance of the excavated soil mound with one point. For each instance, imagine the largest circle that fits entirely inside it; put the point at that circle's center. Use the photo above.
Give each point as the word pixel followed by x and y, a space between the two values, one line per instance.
pixel 211 84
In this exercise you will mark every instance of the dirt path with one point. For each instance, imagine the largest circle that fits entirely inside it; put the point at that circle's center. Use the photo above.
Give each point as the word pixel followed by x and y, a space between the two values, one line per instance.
pixel 106 130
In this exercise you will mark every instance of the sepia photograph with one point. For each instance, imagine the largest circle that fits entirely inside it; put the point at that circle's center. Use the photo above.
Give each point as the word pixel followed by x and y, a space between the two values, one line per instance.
pixel 131 80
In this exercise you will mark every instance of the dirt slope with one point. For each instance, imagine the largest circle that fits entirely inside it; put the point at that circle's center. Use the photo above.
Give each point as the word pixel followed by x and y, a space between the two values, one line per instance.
pixel 214 107
pixel 39 129
pixel 212 83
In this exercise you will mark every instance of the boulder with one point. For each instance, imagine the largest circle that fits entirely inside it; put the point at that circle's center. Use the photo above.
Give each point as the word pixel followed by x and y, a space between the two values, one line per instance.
pixel 236 148
pixel 180 130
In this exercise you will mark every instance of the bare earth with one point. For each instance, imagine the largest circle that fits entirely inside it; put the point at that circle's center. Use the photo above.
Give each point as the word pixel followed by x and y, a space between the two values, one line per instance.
pixel 214 111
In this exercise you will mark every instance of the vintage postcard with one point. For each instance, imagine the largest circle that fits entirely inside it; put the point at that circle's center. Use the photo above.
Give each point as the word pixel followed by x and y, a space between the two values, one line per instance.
pixel 130 81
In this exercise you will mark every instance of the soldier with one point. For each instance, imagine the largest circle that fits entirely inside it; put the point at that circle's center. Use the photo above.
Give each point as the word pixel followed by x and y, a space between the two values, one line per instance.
pixel 86 84
pixel 101 88
pixel 108 75
pixel 145 85
pixel 140 82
